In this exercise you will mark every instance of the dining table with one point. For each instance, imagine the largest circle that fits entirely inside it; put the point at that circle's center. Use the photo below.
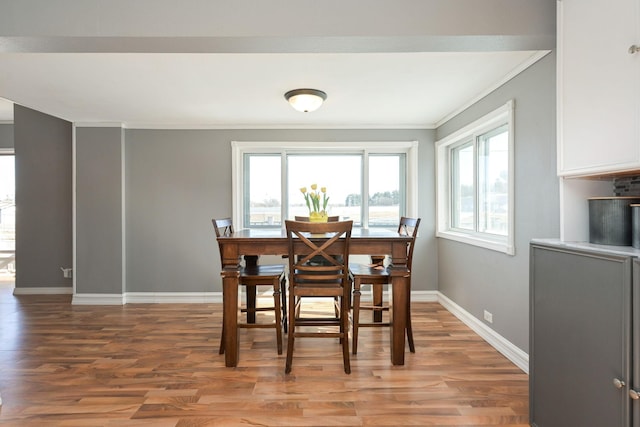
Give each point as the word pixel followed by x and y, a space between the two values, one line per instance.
pixel 251 243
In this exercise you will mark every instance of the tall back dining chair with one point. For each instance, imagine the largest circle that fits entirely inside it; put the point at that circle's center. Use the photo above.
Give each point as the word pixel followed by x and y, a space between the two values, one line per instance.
pixel 316 259
pixel 252 276
pixel 331 278
pixel 377 275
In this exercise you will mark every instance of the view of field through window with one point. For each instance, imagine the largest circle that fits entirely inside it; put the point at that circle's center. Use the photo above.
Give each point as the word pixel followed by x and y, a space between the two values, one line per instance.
pixel 342 176
pixel 485 190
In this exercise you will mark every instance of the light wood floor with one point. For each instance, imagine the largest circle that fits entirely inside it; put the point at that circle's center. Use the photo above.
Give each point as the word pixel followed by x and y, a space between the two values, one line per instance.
pixel 158 365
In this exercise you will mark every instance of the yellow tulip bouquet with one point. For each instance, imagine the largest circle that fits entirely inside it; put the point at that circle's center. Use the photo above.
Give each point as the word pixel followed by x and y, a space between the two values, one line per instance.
pixel 312 198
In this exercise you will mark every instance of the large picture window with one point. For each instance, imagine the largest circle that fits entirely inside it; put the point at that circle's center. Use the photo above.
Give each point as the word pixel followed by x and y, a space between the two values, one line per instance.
pixel 373 184
pixel 475 182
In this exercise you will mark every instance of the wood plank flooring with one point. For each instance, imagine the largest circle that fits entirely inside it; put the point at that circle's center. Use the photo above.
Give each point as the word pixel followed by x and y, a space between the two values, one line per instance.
pixel 158 365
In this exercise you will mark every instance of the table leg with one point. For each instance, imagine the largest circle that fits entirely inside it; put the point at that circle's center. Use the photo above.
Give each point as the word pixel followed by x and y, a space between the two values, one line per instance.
pixel 398 313
pixel 230 316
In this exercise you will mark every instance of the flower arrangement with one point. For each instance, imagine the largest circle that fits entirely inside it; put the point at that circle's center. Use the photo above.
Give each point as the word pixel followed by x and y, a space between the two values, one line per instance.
pixel 312 198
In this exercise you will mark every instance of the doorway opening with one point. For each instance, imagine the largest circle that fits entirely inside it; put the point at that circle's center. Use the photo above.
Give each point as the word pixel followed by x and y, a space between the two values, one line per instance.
pixel 7 218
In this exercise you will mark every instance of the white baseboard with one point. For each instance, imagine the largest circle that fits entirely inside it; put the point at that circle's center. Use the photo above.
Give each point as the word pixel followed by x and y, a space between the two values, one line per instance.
pixel 497 341
pixel 425 296
pixel 98 299
pixel 173 297
pixel 147 298
pixel 58 290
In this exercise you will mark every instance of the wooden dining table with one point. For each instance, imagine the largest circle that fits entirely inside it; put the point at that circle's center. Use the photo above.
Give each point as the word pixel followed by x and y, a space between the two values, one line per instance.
pixel 252 243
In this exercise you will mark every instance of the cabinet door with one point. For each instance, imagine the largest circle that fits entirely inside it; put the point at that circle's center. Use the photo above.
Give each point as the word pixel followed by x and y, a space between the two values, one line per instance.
pixel 580 338
pixel 635 352
pixel 598 86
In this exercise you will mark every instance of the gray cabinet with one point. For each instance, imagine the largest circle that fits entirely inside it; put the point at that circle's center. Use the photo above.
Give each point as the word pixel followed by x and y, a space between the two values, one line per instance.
pixel 581 336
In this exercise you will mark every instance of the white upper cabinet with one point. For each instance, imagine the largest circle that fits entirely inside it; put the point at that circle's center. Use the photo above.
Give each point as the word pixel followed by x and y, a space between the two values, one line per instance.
pixel 598 86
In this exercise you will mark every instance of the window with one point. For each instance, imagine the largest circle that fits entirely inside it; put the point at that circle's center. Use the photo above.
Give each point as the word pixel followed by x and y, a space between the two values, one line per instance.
pixel 475 182
pixel 340 173
pixel 268 179
pixel 7 211
pixel 262 185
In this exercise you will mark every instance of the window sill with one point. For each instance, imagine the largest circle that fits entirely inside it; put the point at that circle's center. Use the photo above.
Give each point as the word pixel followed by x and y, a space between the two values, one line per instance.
pixel 495 244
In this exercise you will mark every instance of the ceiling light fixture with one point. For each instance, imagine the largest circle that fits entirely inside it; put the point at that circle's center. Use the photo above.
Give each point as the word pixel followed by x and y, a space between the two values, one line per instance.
pixel 305 100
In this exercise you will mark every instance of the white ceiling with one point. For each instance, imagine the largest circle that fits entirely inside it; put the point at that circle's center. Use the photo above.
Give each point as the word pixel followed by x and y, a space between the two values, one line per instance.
pixel 236 90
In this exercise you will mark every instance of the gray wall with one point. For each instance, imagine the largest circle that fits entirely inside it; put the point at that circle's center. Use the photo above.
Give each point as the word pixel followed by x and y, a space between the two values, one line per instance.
pixel 99 211
pixel 43 198
pixel 6 135
pixel 177 180
pixel 479 279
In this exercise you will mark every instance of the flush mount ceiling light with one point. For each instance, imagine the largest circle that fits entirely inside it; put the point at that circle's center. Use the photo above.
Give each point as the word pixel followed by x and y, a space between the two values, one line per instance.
pixel 305 100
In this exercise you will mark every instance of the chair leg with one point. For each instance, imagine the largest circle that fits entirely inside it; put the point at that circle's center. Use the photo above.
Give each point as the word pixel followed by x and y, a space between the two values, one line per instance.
pixel 377 301
pixel 283 291
pixel 251 303
pixel 412 347
pixel 377 291
pixel 278 313
pixel 221 350
pixel 292 332
pixel 356 314
pixel 344 329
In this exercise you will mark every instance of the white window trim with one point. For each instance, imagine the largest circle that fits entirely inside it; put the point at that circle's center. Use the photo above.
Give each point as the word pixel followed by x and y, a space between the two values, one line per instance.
pixel 239 148
pixel 505 244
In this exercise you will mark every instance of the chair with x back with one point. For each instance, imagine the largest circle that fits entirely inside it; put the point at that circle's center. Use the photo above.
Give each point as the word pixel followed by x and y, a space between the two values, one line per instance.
pixel 252 276
pixel 316 259
pixel 331 279
pixel 377 275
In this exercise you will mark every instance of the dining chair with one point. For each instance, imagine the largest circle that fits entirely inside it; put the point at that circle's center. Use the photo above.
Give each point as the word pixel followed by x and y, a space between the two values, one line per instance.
pixel 377 275
pixel 316 259
pixel 253 275
pixel 330 279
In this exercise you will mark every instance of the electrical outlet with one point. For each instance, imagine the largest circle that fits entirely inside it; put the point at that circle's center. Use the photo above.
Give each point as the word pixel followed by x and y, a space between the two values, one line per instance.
pixel 488 316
